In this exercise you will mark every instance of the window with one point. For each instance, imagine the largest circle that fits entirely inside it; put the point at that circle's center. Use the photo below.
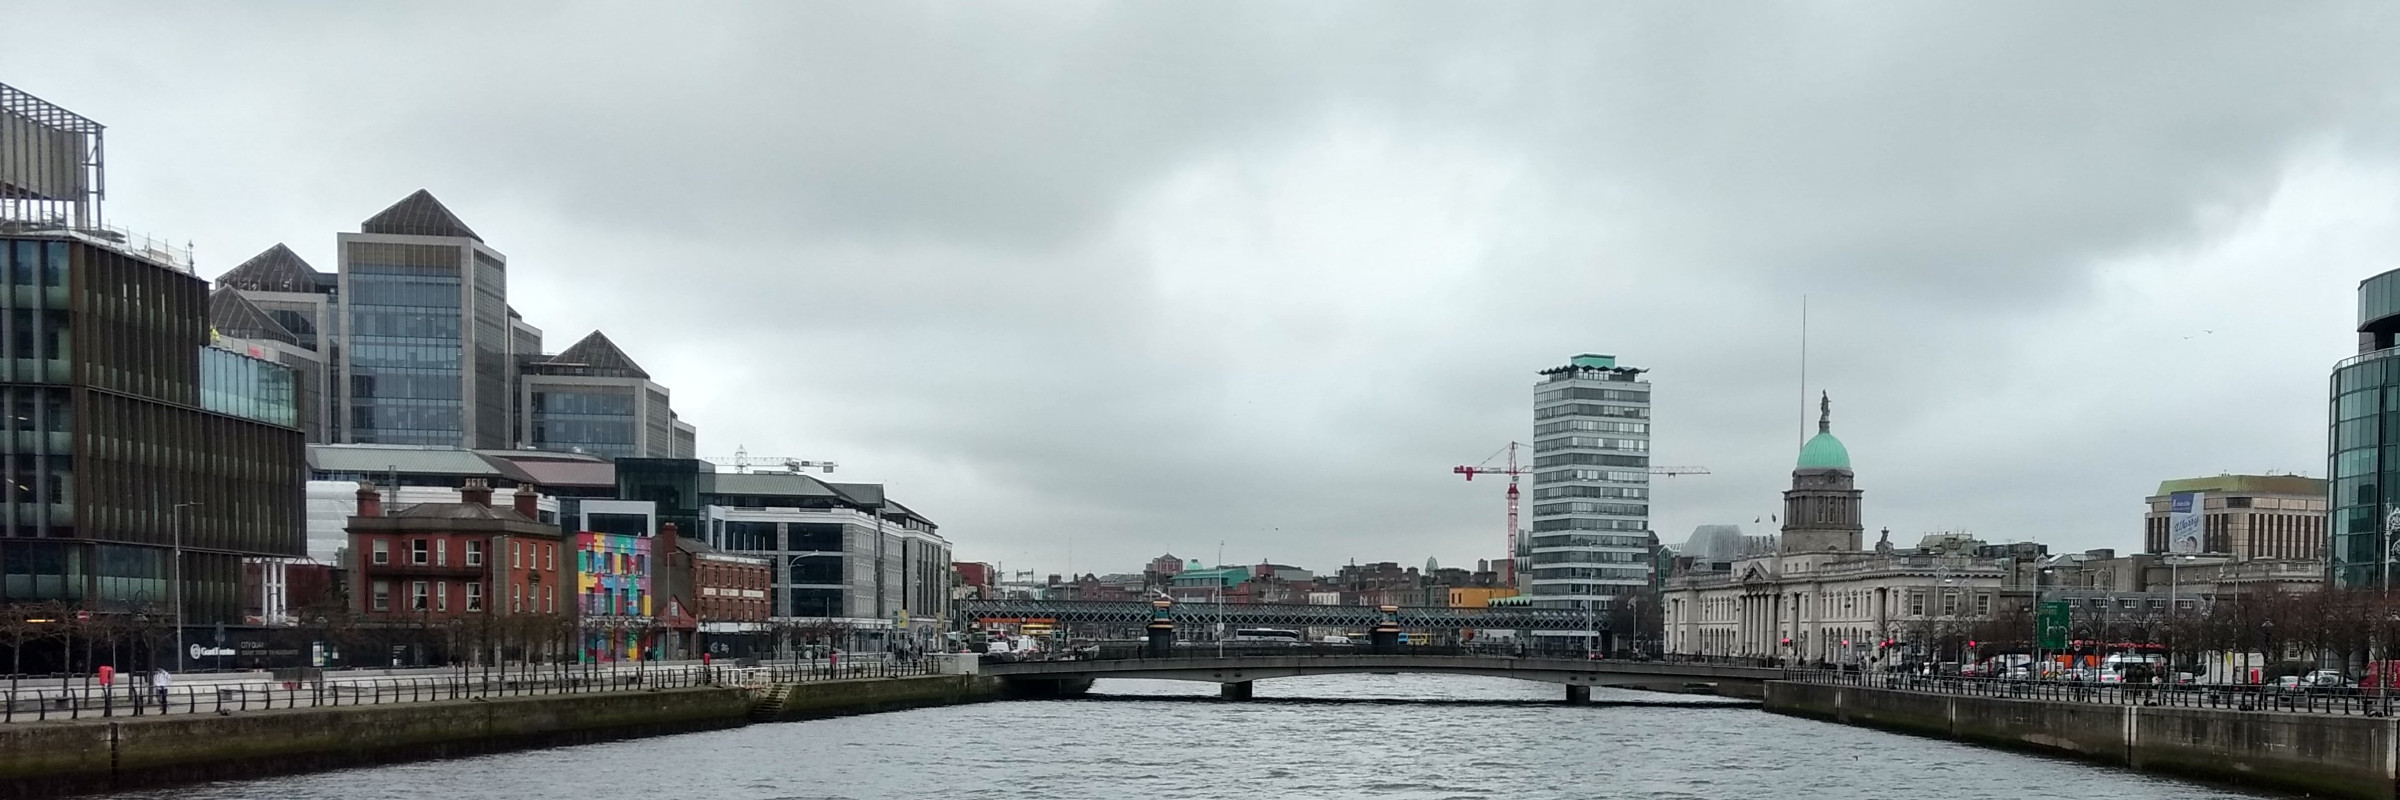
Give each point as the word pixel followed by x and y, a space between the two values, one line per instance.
pixel 441 596
pixel 441 553
pixel 549 601
pixel 516 598
pixel 516 552
pixel 417 552
pixel 383 595
pixel 383 551
pixel 549 556
pixel 1983 605
pixel 474 595
pixel 474 554
pixel 417 592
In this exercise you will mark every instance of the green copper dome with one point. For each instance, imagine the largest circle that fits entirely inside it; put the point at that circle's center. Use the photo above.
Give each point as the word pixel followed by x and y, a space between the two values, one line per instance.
pixel 1824 452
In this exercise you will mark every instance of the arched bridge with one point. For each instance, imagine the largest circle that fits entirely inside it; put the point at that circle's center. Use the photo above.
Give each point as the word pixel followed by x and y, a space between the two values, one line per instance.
pixel 1236 671
pixel 1140 612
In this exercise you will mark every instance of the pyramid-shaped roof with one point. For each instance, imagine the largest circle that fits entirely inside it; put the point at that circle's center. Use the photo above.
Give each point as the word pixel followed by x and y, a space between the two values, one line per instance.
pixel 231 314
pixel 418 215
pixel 277 269
pixel 598 354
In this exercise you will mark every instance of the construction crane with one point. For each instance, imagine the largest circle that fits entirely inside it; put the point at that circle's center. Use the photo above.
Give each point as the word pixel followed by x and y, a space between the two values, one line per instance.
pixel 1508 571
pixel 742 463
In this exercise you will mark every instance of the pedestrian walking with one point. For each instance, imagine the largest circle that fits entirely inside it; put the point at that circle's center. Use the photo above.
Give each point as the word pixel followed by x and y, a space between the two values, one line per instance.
pixel 158 683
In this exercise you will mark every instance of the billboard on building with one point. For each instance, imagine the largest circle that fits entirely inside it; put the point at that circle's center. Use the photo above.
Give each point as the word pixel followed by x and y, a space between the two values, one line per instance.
pixel 2185 526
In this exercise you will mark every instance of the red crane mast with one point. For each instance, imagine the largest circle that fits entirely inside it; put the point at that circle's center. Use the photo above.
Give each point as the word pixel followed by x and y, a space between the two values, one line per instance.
pixel 1508 568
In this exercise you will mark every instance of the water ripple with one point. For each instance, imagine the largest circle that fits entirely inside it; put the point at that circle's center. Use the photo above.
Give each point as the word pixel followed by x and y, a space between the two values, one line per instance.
pixel 1364 736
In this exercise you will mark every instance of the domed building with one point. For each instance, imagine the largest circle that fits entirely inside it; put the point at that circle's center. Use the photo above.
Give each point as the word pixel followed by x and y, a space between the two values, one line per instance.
pixel 1822 597
pixel 1821 510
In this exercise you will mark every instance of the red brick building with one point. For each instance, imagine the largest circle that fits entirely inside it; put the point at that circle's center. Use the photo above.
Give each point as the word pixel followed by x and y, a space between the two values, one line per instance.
pixel 713 601
pixel 438 561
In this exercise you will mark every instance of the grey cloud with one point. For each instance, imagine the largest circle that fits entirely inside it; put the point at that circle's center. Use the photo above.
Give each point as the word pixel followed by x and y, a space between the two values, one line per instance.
pixel 1159 275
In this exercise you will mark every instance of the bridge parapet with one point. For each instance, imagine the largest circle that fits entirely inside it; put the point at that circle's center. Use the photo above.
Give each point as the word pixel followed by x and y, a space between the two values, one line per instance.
pixel 1202 664
pixel 1140 613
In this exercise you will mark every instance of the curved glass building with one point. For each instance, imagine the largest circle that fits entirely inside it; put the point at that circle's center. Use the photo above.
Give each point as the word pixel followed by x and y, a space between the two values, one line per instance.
pixel 2364 439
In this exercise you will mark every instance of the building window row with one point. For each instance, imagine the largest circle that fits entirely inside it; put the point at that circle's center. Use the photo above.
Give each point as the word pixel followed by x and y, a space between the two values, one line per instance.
pixel 1591 410
pixel 1582 507
pixel 1594 459
pixel 1576 475
pixel 1611 492
pixel 1591 443
pixel 1591 393
pixel 1589 425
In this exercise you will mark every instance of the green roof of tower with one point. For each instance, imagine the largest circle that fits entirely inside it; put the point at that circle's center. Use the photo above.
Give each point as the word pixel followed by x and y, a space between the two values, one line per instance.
pixel 1823 451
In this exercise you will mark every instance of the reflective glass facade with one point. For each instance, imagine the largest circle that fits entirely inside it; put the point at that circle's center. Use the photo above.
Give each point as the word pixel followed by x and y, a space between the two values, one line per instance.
pixel 2363 440
pixel 232 383
pixel 406 376
pixel 599 420
pixel 124 434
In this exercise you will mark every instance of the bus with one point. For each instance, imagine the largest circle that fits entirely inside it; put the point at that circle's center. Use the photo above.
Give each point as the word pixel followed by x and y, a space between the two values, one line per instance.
pixel 1266 636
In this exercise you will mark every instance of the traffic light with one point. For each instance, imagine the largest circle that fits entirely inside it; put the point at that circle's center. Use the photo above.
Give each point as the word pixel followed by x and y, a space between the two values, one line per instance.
pixel 1970 644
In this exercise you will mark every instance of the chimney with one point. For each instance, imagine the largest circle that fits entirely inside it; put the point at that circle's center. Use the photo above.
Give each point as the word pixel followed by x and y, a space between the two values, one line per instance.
pixel 370 501
pixel 528 504
pixel 665 545
pixel 476 492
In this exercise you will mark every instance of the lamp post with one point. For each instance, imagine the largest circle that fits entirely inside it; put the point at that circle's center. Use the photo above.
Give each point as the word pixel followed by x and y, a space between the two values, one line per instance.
pixel 2041 666
pixel 175 582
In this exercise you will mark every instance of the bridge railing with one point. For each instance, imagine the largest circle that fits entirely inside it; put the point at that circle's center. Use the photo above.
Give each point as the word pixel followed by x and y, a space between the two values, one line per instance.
pixel 2237 697
pixel 1119 651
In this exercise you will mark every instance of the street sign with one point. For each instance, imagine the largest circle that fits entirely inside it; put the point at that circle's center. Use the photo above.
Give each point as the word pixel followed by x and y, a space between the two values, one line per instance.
pixel 2051 624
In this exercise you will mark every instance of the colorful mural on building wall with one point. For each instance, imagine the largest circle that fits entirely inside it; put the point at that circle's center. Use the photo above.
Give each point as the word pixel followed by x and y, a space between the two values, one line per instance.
pixel 612 590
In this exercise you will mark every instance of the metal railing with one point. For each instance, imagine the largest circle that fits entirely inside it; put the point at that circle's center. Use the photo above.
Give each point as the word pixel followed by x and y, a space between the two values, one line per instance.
pixel 133 697
pixel 1116 651
pixel 2233 697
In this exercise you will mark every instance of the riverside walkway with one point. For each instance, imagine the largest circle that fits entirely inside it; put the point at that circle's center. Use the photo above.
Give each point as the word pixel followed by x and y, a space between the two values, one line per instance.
pixel 2231 697
pixel 52 698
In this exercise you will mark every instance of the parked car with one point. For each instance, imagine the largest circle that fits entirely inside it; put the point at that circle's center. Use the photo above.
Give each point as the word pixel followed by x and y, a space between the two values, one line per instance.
pixel 2330 679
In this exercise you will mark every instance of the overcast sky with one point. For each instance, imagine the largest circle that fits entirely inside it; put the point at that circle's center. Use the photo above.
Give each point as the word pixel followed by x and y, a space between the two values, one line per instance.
pixel 1097 282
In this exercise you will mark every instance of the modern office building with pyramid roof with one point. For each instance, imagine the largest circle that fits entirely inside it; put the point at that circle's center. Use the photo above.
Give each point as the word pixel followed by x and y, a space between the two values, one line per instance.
pixel 411 340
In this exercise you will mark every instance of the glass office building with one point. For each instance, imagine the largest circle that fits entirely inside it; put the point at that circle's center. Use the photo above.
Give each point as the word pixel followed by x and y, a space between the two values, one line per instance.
pixel 426 336
pixel 277 307
pixel 1591 543
pixel 594 399
pixel 2364 443
pixel 124 438
pixel 127 433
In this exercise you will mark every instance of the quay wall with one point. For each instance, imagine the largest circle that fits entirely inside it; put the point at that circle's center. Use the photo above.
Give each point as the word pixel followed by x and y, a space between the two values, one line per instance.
pixel 2320 754
pixel 841 698
pixel 56 759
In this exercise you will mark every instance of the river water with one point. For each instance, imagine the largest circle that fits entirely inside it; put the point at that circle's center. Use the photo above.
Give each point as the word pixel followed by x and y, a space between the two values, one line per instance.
pixel 1362 736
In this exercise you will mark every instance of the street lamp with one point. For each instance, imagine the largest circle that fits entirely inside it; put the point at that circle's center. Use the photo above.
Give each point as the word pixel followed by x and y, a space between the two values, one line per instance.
pixel 175 584
pixel 2040 665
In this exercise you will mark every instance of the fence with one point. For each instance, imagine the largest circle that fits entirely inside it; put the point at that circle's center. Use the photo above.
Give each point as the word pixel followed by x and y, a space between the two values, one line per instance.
pixel 1109 651
pixel 2237 697
pixel 135 697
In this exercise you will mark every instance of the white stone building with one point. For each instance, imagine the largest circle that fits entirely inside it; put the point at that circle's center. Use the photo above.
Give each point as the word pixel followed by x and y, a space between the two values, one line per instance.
pixel 1821 597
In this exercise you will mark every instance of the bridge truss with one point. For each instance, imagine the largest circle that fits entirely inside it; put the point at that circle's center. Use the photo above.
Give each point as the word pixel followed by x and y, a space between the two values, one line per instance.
pixel 1137 613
